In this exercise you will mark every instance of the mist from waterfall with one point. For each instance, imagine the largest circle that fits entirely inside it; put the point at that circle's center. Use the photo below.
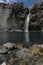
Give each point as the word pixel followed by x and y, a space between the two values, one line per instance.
pixel 26 32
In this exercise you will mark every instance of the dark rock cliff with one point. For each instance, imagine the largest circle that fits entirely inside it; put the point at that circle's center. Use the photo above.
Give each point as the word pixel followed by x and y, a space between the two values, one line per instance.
pixel 36 17
pixel 13 16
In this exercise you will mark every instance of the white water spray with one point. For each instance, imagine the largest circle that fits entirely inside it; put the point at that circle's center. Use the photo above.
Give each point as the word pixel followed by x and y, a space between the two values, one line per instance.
pixel 26 32
pixel 27 23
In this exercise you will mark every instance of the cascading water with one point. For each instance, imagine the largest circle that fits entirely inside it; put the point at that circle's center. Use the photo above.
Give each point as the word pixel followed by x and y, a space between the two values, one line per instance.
pixel 26 28
pixel 27 23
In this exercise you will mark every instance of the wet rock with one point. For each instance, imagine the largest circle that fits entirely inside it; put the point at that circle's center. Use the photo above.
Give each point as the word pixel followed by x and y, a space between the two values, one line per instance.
pixel 19 46
pixel 3 50
pixel 41 49
pixel 4 63
pixel 34 49
pixel 40 45
pixel 24 53
pixel 11 61
pixel 8 45
pixel 23 56
pixel 3 58
pixel 24 62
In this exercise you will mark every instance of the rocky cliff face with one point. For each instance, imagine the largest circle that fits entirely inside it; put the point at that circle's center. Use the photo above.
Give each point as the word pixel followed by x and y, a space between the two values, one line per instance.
pixel 36 17
pixel 13 16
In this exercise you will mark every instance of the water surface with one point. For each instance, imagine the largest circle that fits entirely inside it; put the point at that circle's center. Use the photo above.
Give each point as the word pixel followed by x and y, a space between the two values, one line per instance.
pixel 21 37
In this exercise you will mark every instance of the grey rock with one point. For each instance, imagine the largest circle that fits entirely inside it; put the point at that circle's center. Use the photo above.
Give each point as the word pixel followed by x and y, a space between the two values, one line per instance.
pixel 13 16
pixel 36 17
pixel 24 53
pixel 3 50
pixel 8 45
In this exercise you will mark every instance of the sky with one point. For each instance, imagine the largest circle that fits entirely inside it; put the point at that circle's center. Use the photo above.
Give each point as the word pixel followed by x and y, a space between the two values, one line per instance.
pixel 27 3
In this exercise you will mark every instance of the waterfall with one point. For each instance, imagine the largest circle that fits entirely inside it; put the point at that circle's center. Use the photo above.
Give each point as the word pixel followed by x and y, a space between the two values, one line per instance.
pixel 26 32
pixel 27 23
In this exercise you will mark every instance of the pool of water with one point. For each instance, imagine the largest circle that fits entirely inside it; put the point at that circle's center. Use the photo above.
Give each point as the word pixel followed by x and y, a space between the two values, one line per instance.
pixel 21 37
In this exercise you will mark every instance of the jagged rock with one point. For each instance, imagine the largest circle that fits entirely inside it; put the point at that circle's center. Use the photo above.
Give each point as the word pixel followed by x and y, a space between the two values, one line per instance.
pixel 23 56
pixel 36 17
pixel 3 50
pixel 13 16
pixel 8 45
pixel 24 53
pixel 3 57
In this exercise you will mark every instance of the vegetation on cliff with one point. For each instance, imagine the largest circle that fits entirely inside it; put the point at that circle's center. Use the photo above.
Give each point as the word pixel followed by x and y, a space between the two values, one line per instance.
pixel 36 17
pixel 13 16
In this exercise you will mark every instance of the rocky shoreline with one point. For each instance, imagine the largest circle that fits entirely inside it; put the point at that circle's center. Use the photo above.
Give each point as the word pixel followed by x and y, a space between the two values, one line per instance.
pixel 19 54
